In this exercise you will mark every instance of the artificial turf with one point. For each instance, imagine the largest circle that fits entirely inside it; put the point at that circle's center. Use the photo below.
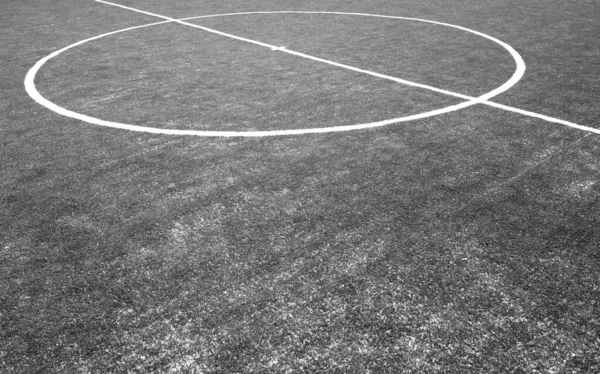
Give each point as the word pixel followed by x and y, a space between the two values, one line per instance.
pixel 466 242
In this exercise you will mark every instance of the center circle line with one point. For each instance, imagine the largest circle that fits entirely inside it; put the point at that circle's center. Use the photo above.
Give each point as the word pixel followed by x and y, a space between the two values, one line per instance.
pixel 520 69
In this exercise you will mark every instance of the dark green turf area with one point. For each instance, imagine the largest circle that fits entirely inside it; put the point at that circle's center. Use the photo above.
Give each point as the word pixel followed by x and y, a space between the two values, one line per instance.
pixel 463 243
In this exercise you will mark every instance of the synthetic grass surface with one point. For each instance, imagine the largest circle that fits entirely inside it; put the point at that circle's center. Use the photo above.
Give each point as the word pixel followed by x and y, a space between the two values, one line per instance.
pixel 218 84
pixel 461 243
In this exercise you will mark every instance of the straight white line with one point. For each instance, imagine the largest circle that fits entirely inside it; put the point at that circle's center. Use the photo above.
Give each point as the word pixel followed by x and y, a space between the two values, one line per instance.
pixel 378 75
pixel 541 116
pixel 471 99
pixel 517 75
pixel 191 25
pixel 299 54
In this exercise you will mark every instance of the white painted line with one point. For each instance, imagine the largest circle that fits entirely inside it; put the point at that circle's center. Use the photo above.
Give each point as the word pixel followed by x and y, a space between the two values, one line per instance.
pixel 542 116
pixel 517 75
pixel 191 25
pixel 299 54
pixel 483 99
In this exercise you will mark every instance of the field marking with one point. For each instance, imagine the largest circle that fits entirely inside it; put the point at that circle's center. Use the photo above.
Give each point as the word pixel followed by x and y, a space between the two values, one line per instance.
pixel 513 80
pixel 32 90
pixel 483 99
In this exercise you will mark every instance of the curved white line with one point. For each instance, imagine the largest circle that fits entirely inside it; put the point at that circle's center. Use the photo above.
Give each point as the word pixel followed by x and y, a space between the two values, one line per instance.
pixel 31 74
pixel 32 90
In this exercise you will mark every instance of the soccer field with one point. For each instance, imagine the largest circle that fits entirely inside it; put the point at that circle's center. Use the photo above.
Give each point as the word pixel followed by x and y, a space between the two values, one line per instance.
pixel 299 186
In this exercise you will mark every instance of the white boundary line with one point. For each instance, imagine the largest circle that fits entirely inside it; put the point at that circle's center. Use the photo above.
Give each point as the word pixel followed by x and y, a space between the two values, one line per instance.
pixel 32 90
